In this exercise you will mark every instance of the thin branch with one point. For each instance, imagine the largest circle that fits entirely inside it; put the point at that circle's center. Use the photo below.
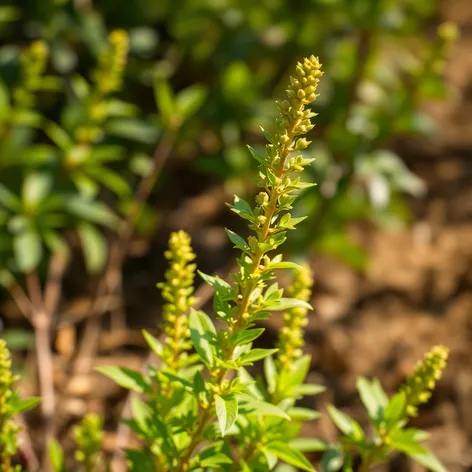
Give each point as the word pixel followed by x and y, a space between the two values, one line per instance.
pixel 21 299
pixel 111 280
pixel 42 332
pixel 53 289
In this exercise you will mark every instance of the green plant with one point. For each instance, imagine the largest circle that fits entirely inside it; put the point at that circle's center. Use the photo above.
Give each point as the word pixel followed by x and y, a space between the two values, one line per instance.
pixel 81 146
pixel 388 418
pixel 61 182
pixel 184 409
pixel 207 411
pixel 10 406
pixel 205 406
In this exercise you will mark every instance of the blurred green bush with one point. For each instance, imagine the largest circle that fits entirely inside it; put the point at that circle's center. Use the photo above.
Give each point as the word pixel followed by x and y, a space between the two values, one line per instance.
pixel 62 137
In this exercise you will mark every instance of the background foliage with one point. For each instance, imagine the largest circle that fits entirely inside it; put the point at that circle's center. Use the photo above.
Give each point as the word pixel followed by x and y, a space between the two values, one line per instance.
pixel 80 132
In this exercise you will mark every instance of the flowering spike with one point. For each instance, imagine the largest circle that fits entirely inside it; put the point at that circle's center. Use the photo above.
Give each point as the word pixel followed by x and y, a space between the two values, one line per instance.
pixel 291 335
pixel 89 438
pixel 177 292
pixel 419 386
pixel 8 429
pixel 33 65
pixel 112 62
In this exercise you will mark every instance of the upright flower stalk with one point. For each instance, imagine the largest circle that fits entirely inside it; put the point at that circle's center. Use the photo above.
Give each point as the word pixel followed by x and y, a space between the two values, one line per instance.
pixel 291 340
pixel 8 429
pixel 419 386
pixel 33 65
pixel 177 291
pixel 249 300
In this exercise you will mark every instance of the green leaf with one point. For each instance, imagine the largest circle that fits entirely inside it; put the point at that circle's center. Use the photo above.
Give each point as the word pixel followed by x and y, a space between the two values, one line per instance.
pixel 127 378
pixel 283 265
pixel 216 460
pixel 222 287
pixel 287 454
pixel 294 375
pixel 25 404
pixel 142 414
pixel 346 424
pixel 258 158
pixel 287 303
pixel 429 460
pixel 226 412
pixel 254 355
pixel 309 444
pixel 190 100
pixel 35 188
pixel 268 136
pixel 139 461
pixel 369 393
pixel 404 441
pixel 56 456
pixel 270 372
pixel 58 136
pixel 94 247
pixel 332 459
pixel 247 336
pixel 303 414
pixel 9 200
pixel 242 208
pixel 214 455
pixel 395 410
pixel 238 241
pixel 309 389
pixel 135 130
pixel 110 180
pixel 92 211
pixel 153 343
pixel 28 249
pixel 165 101
pixel 251 406
pixel 203 334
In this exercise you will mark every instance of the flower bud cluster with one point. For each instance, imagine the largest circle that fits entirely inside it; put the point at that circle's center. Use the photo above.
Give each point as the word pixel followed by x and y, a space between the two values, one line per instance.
pixel 419 386
pixel 112 62
pixel 294 120
pixel 33 65
pixel 89 438
pixel 8 429
pixel 177 291
pixel 295 320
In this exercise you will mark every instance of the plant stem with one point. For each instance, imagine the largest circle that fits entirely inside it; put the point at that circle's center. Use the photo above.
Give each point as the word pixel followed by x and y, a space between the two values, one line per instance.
pixel 111 281
pixel 42 332
pixel 244 304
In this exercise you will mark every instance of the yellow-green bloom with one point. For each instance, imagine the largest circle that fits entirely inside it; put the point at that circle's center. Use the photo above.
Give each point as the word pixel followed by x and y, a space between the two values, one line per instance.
pixel 177 291
pixel 112 62
pixel 8 429
pixel 89 438
pixel 33 65
pixel 294 119
pixel 419 386
pixel 295 320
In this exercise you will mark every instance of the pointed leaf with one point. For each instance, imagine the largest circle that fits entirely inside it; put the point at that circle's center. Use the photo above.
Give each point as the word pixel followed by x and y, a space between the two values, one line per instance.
pixel 289 455
pixel 94 247
pixel 203 333
pixel 226 412
pixel 255 355
pixel 127 378
pixel 346 424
